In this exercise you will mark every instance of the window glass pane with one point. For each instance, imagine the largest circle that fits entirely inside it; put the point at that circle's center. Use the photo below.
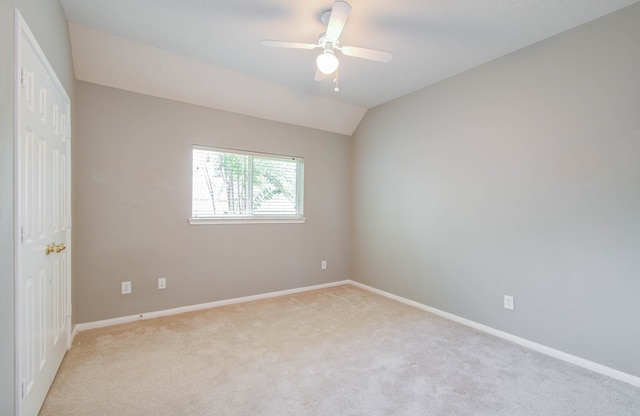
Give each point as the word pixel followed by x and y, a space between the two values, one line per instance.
pixel 274 186
pixel 242 184
pixel 232 191
pixel 221 183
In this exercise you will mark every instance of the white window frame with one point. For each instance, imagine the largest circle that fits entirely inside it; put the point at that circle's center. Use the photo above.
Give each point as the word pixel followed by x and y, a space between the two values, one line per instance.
pixel 254 219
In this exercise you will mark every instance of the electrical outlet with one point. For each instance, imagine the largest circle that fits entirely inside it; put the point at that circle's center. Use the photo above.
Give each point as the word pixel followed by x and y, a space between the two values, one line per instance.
pixel 162 283
pixel 125 287
pixel 508 302
pixel 323 265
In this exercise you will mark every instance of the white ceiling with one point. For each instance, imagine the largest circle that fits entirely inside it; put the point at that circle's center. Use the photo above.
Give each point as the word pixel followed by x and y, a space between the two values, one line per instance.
pixel 208 52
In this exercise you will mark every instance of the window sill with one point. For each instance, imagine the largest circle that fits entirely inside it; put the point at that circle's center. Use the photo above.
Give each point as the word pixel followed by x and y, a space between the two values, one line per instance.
pixel 247 220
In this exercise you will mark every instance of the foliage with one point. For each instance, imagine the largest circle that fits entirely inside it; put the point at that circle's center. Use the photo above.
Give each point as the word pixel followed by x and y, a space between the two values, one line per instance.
pixel 232 180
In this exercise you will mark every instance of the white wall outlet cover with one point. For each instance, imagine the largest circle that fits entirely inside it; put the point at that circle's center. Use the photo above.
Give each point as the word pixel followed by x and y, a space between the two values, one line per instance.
pixel 162 283
pixel 508 302
pixel 125 287
pixel 323 264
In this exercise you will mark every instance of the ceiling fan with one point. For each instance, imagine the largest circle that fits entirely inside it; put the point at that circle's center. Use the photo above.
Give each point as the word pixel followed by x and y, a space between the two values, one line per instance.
pixel 327 62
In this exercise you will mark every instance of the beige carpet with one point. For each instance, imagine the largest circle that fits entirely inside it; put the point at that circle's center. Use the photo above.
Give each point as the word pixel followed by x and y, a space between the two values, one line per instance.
pixel 338 351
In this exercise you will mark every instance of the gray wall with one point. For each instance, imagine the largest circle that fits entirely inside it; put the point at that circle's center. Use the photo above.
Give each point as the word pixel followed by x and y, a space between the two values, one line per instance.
pixel 47 22
pixel 134 198
pixel 519 177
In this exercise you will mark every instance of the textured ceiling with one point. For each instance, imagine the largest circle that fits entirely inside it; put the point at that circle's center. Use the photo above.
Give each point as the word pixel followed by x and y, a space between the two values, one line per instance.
pixel 208 52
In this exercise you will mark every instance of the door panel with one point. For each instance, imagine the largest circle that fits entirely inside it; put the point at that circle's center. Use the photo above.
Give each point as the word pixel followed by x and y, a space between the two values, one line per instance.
pixel 43 275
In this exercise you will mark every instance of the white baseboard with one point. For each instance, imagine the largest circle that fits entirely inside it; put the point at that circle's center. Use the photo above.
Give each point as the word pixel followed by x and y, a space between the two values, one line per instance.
pixel 581 362
pixel 174 311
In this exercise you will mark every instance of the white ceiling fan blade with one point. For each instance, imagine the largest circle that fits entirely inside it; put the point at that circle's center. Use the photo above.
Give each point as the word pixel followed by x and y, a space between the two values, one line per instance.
pixel 364 53
pixel 284 44
pixel 339 15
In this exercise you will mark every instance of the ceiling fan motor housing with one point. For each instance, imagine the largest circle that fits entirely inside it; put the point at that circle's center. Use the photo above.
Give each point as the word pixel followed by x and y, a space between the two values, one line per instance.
pixel 327 43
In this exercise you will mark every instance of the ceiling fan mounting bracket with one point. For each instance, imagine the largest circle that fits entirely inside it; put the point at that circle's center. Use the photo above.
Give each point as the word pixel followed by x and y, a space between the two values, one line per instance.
pixel 324 17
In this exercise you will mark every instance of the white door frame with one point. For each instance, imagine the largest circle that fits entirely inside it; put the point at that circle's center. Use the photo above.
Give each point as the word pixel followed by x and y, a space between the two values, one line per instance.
pixel 22 31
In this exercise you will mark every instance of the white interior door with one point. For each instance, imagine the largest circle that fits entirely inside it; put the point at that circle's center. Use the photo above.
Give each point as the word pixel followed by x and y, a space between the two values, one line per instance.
pixel 43 221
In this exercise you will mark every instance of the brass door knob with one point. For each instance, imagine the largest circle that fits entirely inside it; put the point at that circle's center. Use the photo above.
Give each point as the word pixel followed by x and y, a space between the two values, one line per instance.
pixel 54 248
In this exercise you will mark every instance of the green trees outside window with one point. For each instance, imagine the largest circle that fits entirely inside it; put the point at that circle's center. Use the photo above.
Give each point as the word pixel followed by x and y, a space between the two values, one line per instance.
pixel 245 184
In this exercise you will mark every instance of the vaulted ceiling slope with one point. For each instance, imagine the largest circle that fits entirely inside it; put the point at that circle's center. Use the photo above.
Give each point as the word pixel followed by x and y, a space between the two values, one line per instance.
pixel 208 52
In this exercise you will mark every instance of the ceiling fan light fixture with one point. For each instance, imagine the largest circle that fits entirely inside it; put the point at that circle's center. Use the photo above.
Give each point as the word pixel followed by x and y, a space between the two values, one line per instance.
pixel 327 62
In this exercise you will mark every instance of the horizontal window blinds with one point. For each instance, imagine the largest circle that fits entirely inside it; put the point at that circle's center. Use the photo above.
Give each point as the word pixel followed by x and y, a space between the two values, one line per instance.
pixel 236 184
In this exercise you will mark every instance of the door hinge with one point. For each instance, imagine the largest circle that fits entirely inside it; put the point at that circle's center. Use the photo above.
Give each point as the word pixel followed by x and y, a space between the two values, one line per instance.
pixel 21 235
pixel 22 388
pixel 23 81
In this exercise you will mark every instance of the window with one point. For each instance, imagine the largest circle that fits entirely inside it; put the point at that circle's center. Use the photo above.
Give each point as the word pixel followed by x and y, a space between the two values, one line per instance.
pixel 244 186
